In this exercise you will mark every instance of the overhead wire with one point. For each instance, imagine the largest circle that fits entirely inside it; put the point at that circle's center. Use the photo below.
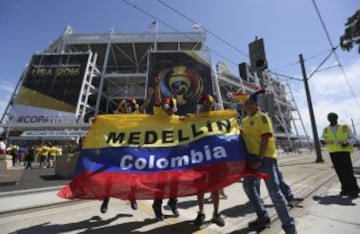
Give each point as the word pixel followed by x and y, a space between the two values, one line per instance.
pixel 328 68
pixel 297 62
pixel 318 67
pixel 229 44
pixel 223 40
pixel 175 29
pixel 319 54
pixel 205 29
pixel 215 35
pixel 286 65
pixel 286 76
pixel 335 54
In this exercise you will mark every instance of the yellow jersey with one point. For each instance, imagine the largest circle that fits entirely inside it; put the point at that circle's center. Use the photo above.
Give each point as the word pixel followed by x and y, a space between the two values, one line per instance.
pixel 158 110
pixel 253 128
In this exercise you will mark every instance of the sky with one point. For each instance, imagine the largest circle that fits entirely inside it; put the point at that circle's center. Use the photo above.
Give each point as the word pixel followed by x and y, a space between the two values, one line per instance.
pixel 289 28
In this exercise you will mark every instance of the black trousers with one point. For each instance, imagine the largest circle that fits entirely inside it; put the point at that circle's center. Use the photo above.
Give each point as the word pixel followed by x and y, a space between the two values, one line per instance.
pixel 28 164
pixel 158 202
pixel 344 170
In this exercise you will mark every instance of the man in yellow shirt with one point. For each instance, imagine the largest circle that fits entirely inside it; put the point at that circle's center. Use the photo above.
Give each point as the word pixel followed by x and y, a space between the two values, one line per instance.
pixel 259 139
pixel 53 153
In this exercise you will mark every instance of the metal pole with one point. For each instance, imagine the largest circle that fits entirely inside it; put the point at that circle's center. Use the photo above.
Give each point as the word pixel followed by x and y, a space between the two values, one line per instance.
pixel 353 125
pixel 102 78
pixel 10 119
pixel 312 118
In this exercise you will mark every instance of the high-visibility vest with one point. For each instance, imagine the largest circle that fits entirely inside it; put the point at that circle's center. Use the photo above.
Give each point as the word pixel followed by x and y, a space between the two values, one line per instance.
pixel 334 139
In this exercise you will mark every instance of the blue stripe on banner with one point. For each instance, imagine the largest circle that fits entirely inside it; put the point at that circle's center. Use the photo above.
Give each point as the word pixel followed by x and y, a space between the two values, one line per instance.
pixel 205 151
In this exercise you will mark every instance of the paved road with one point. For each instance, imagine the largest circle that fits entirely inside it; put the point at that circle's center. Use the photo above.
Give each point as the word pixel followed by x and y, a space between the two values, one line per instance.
pixel 34 179
pixel 38 210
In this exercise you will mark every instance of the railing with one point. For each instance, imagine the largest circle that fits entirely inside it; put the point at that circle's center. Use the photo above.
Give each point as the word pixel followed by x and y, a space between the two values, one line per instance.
pixel 136 37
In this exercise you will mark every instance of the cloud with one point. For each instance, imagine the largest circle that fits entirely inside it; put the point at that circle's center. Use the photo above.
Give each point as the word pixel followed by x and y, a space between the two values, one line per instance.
pixel 331 91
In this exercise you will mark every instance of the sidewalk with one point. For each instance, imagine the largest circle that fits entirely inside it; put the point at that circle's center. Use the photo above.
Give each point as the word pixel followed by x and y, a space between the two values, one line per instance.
pixel 300 172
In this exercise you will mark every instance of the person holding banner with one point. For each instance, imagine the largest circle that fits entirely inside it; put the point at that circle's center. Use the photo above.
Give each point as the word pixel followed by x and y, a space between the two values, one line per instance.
pixel 292 201
pixel 165 107
pixel 206 104
pixel 128 106
pixel 259 139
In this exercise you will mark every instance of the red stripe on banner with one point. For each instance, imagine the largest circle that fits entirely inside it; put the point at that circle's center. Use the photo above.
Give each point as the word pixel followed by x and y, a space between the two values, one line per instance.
pixel 157 185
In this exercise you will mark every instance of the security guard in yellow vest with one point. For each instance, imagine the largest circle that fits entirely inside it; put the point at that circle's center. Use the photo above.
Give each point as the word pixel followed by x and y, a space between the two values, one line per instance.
pixel 339 141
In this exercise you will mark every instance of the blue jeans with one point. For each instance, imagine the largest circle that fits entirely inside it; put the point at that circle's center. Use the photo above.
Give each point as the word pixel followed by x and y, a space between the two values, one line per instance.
pixel 284 187
pixel 269 166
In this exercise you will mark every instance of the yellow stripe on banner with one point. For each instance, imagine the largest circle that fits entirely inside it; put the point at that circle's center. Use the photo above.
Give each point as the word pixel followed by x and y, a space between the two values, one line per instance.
pixel 158 131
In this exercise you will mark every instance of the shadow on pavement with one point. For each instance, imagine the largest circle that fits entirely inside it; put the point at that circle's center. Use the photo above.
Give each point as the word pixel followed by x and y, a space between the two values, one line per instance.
pixel 185 204
pixel 334 199
pixel 238 211
pixel 248 230
pixel 93 222
pixel 52 177
pixel 131 227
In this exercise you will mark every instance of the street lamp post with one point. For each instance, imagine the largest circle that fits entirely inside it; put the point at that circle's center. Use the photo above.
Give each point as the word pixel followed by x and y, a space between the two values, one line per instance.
pixel 311 111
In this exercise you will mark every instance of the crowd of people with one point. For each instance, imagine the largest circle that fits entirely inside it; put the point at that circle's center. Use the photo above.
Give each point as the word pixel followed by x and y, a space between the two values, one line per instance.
pixel 25 154
pixel 259 139
pixel 258 136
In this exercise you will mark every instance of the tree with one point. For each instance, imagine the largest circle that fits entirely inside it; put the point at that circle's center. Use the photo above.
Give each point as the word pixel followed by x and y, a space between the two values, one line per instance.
pixel 351 36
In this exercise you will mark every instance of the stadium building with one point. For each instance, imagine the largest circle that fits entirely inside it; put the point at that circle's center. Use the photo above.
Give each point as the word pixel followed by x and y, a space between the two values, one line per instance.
pixel 80 76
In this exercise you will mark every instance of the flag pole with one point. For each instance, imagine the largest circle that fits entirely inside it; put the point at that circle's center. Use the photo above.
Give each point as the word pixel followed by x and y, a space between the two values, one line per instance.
pixel 156 32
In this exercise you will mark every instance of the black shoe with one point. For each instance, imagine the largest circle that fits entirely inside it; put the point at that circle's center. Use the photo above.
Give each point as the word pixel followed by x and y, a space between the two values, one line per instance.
pixel 172 203
pixel 218 220
pixel 343 193
pixel 261 224
pixel 353 195
pixel 104 205
pixel 157 211
pixel 289 229
pixel 133 204
pixel 294 202
pixel 200 218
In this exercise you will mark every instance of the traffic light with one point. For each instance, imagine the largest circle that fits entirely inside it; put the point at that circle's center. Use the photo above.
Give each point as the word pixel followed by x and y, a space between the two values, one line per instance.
pixel 258 60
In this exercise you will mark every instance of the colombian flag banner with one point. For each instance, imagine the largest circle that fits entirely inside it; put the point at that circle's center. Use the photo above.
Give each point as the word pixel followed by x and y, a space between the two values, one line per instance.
pixel 140 156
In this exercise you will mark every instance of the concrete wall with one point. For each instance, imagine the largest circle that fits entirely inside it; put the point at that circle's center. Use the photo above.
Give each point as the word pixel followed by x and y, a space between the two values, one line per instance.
pixel 5 162
pixel 65 166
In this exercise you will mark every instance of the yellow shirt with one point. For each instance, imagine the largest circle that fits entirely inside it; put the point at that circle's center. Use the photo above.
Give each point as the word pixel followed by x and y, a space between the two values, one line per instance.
pixel 158 110
pixel 253 128
pixel 45 150
pixel 38 150
pixel 54 151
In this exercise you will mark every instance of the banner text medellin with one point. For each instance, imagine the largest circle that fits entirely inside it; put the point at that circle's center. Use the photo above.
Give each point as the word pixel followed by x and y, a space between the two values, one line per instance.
pixel 168 136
